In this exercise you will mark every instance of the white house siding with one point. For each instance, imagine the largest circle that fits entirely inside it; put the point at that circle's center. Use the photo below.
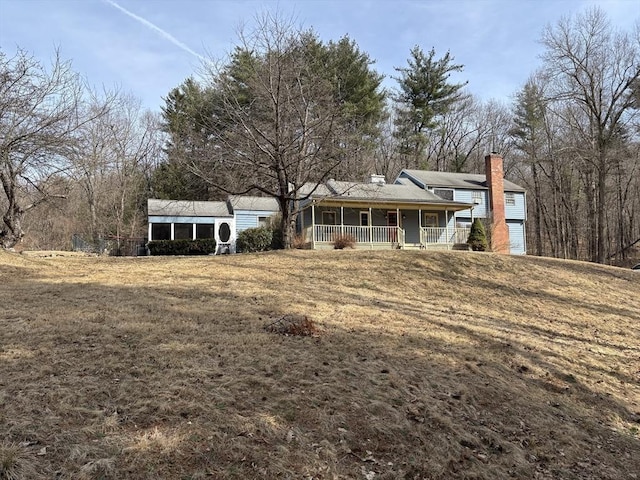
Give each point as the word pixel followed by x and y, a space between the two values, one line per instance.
pixel 516 237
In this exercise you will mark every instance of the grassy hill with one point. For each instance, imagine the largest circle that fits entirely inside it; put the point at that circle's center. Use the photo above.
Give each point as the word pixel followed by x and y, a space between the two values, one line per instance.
pixel 425 366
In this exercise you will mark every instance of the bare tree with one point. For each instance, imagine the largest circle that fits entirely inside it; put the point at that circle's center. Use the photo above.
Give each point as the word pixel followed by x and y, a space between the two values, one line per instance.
pixel 280 121
pixel 39 112
pixel 593 68
pixel 112 159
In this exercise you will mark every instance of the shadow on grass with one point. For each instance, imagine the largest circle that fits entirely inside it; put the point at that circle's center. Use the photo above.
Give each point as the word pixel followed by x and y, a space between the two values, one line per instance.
pixel 179 382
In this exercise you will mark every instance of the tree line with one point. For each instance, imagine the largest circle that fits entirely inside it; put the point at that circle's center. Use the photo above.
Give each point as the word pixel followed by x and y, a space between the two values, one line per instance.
pixel 287 109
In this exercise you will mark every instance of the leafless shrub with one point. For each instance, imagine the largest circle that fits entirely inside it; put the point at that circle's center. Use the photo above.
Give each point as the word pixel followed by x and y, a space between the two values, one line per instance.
pixel 340 242
pixel 14 463
pixel 298 325
pixel 299 242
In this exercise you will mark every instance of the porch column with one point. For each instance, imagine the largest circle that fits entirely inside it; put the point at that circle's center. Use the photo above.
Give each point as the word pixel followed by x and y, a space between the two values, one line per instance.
pixel 370 225
pixel 446 224
pixel 149 234
pixel 341 220
pixel 173 231
pixel 398 221
pixel 302 232
pixel 194 231
pixel 313 225
pixel 420 227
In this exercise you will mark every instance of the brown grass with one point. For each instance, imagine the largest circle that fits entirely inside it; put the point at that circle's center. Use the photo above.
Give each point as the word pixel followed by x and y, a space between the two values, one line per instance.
pixel 426 366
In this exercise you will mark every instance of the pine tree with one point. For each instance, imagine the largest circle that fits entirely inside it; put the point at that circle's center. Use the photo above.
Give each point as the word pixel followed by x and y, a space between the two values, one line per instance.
pixel 478 237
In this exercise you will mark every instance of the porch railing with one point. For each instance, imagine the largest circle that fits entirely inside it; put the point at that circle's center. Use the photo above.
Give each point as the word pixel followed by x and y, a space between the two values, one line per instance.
pixel 444 235
pixel 327 233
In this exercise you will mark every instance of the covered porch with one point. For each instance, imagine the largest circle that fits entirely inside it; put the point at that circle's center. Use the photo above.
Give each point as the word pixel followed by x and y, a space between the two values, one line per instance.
pixel 381 226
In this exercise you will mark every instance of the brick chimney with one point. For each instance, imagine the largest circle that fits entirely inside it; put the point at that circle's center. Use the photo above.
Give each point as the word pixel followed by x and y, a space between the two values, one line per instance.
pixel 495 183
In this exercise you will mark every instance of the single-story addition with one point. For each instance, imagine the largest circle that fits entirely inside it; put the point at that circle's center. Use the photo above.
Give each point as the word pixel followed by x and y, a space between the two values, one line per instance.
pixel 189 220
pixel 422 209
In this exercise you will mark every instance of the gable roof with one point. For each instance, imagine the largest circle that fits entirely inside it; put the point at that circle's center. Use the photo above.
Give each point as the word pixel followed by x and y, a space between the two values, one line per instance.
pixel 187 208
pixel 402 192
pixel 471 181
pixel 241 202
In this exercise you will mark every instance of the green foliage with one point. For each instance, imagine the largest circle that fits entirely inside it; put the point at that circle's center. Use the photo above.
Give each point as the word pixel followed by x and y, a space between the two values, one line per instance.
pixel 191 115
pixel 256 239
pixel 340 242
pixel 529 119
pixel 200 246
pixel 478 237
pixel 286 106
pixel 425 94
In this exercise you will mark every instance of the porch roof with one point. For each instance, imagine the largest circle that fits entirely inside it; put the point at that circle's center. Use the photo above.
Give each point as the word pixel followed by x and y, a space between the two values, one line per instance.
pixel 405 193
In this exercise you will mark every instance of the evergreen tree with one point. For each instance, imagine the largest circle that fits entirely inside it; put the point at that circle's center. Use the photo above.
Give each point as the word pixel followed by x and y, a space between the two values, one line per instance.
pixel 478 237
pixel 425 94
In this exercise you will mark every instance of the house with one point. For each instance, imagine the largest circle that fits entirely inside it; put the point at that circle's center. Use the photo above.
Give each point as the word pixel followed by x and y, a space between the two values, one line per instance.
pixel 499 201
pixel 421 209
pixel 181 219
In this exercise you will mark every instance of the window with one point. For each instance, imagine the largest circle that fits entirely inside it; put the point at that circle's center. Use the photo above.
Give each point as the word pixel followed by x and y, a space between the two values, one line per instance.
pixel 476 197
pixel 161 231
pixel 263 221
pixel 510 199
pixel 444 193
pixel 329 218
pixel 183 231
pixel 204 230
pixel 364 219
pixel 430 219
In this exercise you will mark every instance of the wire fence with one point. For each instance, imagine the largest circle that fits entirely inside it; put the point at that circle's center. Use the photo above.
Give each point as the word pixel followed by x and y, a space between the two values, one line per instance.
pixel 114 246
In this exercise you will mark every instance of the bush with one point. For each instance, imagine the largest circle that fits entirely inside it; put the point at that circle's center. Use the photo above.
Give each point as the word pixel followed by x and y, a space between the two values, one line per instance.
pixel 200 246
pixel 478 237
pixel 254 240
pixel 340 242
pixel 299 242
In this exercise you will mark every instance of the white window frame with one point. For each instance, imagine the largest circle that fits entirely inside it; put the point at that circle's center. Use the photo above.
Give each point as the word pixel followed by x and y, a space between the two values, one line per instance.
pixel 476 197
pixel 364 213
pixel 264 221
pixel 510 199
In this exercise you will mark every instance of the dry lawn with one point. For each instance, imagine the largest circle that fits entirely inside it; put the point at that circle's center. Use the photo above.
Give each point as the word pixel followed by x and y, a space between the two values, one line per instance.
pixel 426 366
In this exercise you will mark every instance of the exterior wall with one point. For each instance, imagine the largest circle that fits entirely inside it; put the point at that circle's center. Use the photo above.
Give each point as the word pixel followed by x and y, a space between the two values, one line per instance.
pixel 517 237
pixel 466 196
pixel 517 211
pixel 249 218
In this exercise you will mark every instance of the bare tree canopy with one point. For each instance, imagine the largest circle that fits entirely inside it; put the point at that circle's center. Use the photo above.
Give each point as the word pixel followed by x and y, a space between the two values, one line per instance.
pixel 38 114
pixel 591 70
pixel 287 110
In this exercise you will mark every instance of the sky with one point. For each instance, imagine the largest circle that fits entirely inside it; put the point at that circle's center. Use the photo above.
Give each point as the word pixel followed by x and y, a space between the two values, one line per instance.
pixel 148 47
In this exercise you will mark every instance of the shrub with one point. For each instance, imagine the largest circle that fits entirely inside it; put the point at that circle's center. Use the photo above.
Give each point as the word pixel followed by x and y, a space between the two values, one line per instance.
pixel 296 325
pixel 478 237
pixel 256 239
pixel 200 246
pixel 340 242
pixel 299 242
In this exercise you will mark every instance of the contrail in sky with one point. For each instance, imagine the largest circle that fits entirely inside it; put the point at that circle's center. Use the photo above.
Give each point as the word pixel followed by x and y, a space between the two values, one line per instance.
pixel 156 29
